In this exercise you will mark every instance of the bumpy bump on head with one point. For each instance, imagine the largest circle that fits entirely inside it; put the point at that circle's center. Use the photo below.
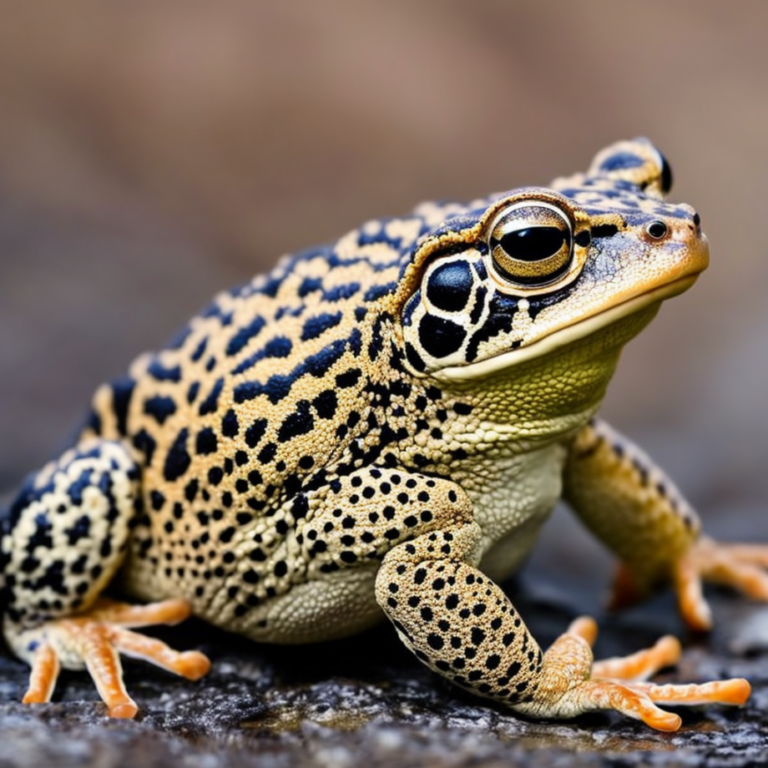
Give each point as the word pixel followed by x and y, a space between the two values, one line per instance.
pixel 637 162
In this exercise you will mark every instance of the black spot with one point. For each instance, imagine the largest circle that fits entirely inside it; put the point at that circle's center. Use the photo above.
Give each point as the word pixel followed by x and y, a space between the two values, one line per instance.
pixel 122 390
pixel 159 372
pixel 178 460
pixel 281 568
pixel 309 285
pixel 340 292
pixel 267 453
pixel 325 404
pixel 377 291
pixel 244 335
pixel 192 392
pixel 450 286
pixel 229 424
pixel 348 378
pixel 255 432
pixel 160 408
pixel 211 403
pixel 199 350
pixel 206 442
pixel 300 422
pixel 215 475
pixel 440 337
pixel 79 530
pixel 477 309
pixel 315 326
pixel 227 534
pixel 493 661
pixel 435 641
pixel 156 500
pixel 306 462
pixel 604 230
pixel 583 238
pixel 477 636
pixel 190 490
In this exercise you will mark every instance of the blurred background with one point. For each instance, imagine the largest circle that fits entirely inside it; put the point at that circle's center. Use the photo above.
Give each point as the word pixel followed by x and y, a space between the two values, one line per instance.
pixel 151 154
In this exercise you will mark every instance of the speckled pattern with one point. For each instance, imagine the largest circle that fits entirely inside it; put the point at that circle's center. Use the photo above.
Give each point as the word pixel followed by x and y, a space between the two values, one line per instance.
pixel 382 424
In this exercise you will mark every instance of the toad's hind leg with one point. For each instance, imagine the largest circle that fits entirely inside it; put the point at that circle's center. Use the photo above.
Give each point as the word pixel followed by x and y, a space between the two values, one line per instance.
pixel 63 540
pixel 458 622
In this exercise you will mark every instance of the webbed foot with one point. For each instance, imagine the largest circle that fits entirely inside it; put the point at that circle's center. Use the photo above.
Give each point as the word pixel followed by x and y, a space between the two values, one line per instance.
pixel 94 639
pixel 740 566
pixel 619 683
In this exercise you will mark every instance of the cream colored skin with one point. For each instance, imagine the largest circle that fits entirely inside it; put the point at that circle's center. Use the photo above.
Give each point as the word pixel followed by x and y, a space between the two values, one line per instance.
pixel 381 427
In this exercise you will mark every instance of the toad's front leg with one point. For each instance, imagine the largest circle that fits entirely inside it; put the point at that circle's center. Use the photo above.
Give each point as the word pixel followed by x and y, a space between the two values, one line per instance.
pixel 459 623
pixel 631 505
pixel 62 543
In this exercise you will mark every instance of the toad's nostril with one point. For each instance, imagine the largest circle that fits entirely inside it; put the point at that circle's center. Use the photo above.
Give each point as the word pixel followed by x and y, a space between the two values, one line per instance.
pixel 696 219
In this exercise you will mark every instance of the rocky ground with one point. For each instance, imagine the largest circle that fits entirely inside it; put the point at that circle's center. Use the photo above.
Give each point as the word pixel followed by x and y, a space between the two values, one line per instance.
pixel 367 701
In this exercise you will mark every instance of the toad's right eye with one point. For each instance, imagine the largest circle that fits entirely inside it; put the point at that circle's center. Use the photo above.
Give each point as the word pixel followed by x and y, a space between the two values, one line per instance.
pixel 531 244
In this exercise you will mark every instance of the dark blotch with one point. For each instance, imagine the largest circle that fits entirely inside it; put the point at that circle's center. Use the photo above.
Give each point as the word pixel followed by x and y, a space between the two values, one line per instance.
pixel 440 337
pixel 300 422
pixel 206 442
pixel 450 286
pixel 177 461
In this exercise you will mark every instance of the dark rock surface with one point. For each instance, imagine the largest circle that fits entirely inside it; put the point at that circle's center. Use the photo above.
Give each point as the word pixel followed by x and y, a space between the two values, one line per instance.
pixel 367 701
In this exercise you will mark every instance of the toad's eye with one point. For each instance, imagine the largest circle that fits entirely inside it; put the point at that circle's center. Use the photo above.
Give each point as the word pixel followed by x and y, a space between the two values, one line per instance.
pixel 531 244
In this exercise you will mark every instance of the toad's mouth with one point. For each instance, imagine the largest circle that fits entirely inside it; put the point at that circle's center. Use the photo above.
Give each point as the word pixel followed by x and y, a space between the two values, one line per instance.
pixel 562 337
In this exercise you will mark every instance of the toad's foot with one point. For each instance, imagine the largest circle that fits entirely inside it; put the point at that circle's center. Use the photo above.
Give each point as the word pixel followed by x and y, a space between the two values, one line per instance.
pixel 741 566
pixel 94 639
pixel 618 683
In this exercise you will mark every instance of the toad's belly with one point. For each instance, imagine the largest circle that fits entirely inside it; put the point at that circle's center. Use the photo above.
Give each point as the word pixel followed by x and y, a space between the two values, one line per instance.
pixel 512 503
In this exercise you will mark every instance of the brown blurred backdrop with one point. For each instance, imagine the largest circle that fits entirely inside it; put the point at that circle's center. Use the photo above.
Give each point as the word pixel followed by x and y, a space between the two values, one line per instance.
pixel 152 153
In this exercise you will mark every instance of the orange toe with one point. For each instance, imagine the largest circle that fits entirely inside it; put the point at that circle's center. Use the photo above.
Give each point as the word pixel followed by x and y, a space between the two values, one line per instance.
pixel 43 675
pixel 193 665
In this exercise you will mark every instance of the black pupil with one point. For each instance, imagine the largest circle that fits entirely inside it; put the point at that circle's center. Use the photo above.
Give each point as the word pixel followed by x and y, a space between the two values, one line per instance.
pixel 658 229
pixel 533 243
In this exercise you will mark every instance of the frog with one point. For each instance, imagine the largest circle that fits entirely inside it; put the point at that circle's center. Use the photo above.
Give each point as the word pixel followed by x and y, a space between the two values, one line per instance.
pixel 378 428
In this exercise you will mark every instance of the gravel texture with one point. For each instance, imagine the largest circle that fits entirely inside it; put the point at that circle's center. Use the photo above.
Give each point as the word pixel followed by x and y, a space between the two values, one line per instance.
pixel 367 701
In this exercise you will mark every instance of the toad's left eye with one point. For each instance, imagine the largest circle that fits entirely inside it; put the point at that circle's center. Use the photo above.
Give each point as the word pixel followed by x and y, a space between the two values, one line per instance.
pixel 531 244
